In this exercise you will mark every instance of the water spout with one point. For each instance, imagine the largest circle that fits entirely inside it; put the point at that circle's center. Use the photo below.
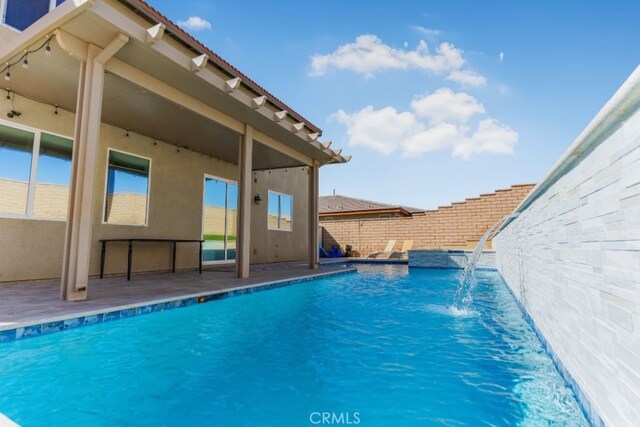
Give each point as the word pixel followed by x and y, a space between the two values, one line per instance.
pixel 467 280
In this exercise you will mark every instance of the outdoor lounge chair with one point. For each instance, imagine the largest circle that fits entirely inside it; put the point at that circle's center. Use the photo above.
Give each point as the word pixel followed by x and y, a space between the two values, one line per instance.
pixel 387 251
pixel 402 253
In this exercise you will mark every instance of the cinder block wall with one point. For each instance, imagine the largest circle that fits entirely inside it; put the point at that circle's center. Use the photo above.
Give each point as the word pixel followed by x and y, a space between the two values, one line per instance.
pixel 457 226
pixel 572 258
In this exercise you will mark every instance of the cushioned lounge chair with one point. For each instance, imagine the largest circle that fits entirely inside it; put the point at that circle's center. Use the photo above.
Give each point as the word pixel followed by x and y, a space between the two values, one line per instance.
pixel 384 254
pixel 402 253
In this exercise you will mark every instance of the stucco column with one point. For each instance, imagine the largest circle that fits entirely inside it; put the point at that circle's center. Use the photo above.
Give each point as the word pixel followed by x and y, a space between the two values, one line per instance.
pixel 313 215
pixel 243 240
pixel 77 246
pixel 77 241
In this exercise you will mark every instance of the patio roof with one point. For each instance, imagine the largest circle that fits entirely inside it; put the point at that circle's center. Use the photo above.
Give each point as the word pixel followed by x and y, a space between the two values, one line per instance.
pixel 153 88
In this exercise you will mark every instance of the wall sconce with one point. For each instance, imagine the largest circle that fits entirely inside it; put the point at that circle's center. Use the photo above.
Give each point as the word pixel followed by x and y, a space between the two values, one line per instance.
pixel 257 199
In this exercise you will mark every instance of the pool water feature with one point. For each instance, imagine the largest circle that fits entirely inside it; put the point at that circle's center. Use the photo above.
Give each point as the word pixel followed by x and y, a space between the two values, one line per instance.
pixel 467 281
pixel 383 344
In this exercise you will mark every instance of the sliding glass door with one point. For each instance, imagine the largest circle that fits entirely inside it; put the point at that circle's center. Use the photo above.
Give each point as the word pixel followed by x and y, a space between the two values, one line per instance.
pixel 219 220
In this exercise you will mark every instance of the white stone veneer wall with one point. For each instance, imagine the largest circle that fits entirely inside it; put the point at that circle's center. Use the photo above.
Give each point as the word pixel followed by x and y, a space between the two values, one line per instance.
pixel 572 258
pixel 437 258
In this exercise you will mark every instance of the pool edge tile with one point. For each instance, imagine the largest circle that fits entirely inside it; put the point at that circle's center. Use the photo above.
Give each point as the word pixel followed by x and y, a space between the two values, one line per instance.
pixel 109 314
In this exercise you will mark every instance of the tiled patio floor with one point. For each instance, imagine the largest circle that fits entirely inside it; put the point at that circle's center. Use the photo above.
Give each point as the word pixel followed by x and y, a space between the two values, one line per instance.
pixel 28 303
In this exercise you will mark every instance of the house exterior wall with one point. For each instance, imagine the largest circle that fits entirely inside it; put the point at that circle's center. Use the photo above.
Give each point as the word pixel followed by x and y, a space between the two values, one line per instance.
pixel 276 245
pixel 32 249
pixel 459 226
pixel 572 258
pixel 6 33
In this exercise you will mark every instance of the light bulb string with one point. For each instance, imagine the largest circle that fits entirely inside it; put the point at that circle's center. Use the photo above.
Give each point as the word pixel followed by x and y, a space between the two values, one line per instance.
pixel 27 53
pixel 11 97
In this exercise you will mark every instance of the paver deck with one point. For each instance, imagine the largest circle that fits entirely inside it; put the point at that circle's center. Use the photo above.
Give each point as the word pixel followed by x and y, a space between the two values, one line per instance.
pixel 26 303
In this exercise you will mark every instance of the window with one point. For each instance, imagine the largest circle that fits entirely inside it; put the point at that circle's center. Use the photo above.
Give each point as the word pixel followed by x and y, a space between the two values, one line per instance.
pixel 127 191
pixel 20 14
pixel 35 172
pixel 279 211
pixel 384 216
pixel 53 178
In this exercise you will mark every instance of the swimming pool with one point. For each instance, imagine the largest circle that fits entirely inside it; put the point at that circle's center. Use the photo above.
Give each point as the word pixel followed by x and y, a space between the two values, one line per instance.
pixel 375 348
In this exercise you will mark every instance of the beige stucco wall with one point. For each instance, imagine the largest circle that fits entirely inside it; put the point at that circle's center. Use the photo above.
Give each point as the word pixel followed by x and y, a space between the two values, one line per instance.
pixel 32 249
pixel 175 203
pixel 7 33
pixel 275 245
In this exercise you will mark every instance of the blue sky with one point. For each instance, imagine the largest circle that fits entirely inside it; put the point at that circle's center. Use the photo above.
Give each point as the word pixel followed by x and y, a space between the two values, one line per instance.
pixel 436 101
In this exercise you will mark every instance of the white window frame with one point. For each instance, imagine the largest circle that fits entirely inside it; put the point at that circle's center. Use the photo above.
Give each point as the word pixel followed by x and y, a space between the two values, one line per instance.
pixel 227 181
pixel 3 8
pixel 104 198
pixel 33 174
pixel 279 226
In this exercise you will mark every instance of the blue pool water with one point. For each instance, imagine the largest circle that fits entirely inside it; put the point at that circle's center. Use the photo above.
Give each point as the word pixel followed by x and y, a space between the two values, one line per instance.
pixel 379 348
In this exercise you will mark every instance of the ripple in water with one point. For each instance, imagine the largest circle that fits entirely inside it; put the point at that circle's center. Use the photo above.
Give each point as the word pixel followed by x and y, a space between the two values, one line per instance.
pixel 384 343
pixel 449 310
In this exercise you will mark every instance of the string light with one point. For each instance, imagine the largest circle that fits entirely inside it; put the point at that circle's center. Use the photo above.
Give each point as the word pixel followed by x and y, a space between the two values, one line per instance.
pixel 8 95
pixel 55 109
pixel 24 58
pixel 127 134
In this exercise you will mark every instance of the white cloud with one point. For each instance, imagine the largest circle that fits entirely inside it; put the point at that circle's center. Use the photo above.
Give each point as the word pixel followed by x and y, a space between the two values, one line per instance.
pixel 501 57
pixel 490 137
pixel 380 130
pixel 504 89
pixel 427 32
pixel 368 54
pixel 444 105
pixel 437 121
pixel 438 137
pixel 195 23
pixel 467 77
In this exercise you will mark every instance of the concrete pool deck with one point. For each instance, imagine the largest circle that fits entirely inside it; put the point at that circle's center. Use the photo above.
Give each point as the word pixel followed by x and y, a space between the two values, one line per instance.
pixel 30 303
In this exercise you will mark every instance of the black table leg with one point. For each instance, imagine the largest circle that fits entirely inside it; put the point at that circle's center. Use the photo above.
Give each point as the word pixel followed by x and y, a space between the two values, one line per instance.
pixel 102 255
pixel 174 257
pixel 200 259
pixel 129 260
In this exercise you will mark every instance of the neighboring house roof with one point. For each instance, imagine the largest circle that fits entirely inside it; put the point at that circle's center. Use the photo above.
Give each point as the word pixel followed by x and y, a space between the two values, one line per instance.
pixel 188 39
pixel 341 204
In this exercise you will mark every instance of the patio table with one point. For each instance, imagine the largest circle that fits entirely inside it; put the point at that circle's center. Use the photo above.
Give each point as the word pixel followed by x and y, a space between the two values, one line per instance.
pixel 130 253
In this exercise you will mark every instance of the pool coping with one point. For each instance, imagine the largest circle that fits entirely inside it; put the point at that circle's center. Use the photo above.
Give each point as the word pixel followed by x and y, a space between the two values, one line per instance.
pixel 27 329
